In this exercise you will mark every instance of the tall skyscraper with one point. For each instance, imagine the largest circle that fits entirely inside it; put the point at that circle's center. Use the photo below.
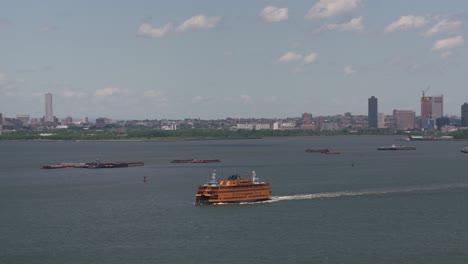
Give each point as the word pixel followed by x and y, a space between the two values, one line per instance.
pixel 437 106
pixel 432 107
pixel 372 115
pixel 49 113
pixel 464 115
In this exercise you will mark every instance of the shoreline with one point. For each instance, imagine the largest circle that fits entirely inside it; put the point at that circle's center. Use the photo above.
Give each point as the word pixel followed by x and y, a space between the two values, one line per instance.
pixel 207 139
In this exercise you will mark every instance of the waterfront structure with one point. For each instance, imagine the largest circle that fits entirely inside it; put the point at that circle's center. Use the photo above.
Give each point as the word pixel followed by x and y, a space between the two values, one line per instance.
pixel 405 119
pixel 381 120
pixel 464 115
pixel 329 126
pixel 49 113
pixel 372 113
pixel 307 119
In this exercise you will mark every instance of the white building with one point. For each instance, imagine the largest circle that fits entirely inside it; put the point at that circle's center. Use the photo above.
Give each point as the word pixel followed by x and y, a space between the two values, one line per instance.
pixel 49 113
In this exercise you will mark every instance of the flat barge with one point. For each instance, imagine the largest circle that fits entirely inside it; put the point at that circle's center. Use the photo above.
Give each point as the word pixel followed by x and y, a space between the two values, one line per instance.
pixel 195 161
pixel 394 147
pixel 93 165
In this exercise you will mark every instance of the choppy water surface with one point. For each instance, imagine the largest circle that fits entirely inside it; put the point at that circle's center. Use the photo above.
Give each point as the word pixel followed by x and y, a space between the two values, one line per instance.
pixel 361 206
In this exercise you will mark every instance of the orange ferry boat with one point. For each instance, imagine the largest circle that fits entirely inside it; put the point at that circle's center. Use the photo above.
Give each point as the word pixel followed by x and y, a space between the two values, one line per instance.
pixel 233 190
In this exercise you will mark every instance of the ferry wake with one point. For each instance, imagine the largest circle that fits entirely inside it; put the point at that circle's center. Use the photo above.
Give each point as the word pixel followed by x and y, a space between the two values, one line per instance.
pixel 233 190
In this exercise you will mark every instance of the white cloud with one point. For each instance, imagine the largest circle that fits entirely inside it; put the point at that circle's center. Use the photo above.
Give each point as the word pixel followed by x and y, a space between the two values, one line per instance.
pixel 199 21
pixel 445 26
pixel 152 93
pixel 3 79
pixel 71 94
pixel 46 29
pixel 274 14
pixel 407 22
pixel 329 8
pixel 289 57
pixel 312 57
pixel 246 99
pixel 448 43
pixel 348 70
pixel 146 30
pixel 110 91
pixel 446 54
pixel 200 99
pixel 354 25
pixel 271 99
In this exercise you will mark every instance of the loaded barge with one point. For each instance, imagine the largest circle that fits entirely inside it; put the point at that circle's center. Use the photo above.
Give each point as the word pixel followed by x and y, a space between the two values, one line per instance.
pixel 394 147
pixel 93 165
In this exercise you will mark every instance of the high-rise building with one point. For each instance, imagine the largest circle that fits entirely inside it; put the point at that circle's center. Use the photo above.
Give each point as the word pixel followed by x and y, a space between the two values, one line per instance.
pixel 437 107
pixel 405 119
pixel 464 115
pixel 426 107
pixel 432 107
pixel 49 113
pixel 372 113
pixel 306 119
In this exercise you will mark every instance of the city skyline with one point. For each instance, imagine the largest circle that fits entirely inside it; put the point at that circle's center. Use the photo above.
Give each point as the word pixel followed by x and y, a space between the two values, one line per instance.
pixel 211 59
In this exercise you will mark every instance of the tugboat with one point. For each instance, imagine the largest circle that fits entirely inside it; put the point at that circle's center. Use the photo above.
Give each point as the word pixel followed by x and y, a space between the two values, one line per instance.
pixel 232 190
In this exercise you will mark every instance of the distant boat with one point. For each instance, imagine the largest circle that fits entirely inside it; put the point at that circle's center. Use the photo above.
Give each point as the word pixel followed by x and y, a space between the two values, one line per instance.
pixel 464 150
pixel 330 152
pixel 195 161
pixel 395 147
pixel 316 150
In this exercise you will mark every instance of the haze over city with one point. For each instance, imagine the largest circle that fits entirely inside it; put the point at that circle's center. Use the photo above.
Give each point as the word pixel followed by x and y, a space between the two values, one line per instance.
pixel 217 59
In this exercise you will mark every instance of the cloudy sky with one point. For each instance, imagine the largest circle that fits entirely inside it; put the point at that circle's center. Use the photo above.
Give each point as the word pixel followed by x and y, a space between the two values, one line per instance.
pixel 215 59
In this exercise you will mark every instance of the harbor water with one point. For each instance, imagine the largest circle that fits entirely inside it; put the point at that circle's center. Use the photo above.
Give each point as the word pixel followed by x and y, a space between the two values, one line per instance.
pixel 359 206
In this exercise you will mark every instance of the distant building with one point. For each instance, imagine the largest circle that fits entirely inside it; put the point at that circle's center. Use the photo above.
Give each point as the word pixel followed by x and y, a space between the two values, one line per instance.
pixel 330 126
pixel 69 120
pixel 24 119
pixel 405 119
pixel 307 119
pixel 49 113
pixel 381 120
pixel 85 120
pixel 391 122
pixel 432 107
pixel 437 106
pixel 1 123
pixel 464 115
pixel 319 121
pixel 245 126
pixel 253 126
pixel 372 113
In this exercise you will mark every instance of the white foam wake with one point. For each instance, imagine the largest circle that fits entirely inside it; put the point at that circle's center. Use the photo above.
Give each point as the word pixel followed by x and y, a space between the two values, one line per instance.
pixel 363 192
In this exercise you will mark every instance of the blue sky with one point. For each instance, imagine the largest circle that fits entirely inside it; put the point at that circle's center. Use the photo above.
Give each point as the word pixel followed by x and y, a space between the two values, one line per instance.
pixel 215 59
